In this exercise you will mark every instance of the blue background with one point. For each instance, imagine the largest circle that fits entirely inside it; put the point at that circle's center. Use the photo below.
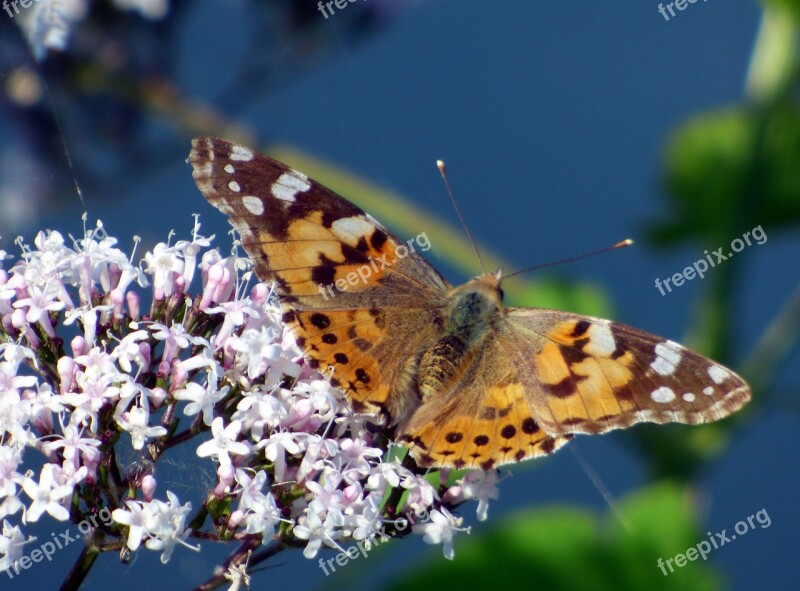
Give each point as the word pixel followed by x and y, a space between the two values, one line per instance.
pixel 552 118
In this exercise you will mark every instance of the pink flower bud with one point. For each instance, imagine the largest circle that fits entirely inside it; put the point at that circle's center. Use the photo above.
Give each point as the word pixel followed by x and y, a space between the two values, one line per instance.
pixel 259 294
pixel 66 372
pixel 157 397
pixel 78 345
pixel 235 519
pixel 133 304
pixel 148 487
pixel 144 351
pixel 225 474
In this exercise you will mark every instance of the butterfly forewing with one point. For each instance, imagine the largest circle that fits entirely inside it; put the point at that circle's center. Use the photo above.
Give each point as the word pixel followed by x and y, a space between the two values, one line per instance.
pixel 355 296
pixel 323 251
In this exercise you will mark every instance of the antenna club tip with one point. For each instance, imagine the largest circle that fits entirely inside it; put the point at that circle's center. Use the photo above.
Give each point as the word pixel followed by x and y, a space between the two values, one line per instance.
pixel 623 243
pixel 440 165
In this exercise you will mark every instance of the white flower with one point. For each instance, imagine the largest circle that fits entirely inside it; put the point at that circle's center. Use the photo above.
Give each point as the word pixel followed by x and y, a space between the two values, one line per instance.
pixel 259 410
pixel 39 303
pixel 73 443
pixel 312 528
pixel 47 23
pixel 477 484
pixel 440 530
pixel 162 524
pixel 256 349
pixel 262 516
pixel 47 495
pixel 237 575
pixel 135 421
pixel 224 442
pixel 10 381
pixel 276 448
pixel 386 474
pixel 136 520
pixel 128 350
pixel 88 317
pixel 166 525
pixel 235 312
pixel 164 263
pixel 11 543
pixel 201 399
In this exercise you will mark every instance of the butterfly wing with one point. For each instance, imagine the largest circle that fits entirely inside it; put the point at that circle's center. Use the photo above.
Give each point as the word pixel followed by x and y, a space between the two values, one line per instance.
pixel 485 419
pixel 357 298
pixel 546 375
pixel 588 375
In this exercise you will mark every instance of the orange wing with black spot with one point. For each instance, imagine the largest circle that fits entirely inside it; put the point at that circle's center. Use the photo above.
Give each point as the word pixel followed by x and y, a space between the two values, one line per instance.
pixel 359 300
pixel 546 375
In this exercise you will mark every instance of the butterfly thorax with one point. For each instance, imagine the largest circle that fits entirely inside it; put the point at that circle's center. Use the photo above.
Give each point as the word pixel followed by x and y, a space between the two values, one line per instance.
pixel 468 319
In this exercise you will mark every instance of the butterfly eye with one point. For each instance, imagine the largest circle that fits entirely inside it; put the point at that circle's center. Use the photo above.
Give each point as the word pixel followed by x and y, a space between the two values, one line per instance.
pixel 501 293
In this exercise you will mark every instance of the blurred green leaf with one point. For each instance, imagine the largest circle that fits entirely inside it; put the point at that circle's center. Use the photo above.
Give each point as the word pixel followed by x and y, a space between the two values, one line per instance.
pixel 730 171
pixel 573 549
pixel 791 7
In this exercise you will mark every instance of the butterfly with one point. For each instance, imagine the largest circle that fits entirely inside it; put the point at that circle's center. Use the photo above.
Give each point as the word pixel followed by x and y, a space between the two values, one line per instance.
pixel 464 380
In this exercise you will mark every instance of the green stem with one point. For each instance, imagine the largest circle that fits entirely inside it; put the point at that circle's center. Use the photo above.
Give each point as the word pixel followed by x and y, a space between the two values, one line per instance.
pixel 80 569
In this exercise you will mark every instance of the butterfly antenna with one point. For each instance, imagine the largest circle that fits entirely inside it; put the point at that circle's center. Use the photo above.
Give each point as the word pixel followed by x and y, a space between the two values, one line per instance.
pixel 443 172
pixel 600 486
pixel 620 244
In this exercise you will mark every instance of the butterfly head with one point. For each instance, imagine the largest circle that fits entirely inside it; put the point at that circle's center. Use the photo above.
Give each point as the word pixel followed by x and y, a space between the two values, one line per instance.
pixel 472 306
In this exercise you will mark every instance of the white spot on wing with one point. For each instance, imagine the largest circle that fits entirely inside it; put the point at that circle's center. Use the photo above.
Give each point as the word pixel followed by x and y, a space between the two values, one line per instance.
pixel 289 185
pixel 229 168
pixel 662 394
pixel 234 186
pixel 601 341
pixel 669 355
pixel 708 390
pixel 350 230
pixel 718 374
pixel 241 153
pixel 253 204
pixel 688 397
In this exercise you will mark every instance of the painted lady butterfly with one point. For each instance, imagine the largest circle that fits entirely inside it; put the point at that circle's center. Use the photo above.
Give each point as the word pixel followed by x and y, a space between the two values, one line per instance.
pixel 466 381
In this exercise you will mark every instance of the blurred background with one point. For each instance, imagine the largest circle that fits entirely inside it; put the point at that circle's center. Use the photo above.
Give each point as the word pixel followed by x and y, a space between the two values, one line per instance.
pixel 566 127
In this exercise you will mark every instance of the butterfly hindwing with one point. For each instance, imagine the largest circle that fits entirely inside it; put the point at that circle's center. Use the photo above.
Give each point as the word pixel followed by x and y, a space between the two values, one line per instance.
pixel 484 421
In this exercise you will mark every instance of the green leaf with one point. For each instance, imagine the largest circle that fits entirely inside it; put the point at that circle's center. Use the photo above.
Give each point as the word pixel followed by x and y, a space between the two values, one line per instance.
pixel 730 171
pixel 791 7
pixel 570 549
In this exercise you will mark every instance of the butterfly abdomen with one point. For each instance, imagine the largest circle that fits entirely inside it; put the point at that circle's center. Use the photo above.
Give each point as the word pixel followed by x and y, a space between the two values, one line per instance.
pixel 469 317
pixel 438 364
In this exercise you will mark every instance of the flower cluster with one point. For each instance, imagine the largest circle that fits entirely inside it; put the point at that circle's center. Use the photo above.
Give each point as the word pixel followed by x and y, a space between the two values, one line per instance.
pixel 84 374
pixel 47 23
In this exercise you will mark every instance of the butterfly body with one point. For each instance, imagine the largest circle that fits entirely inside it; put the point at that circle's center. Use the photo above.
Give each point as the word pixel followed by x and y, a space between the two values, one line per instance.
pixel 471 314
pixel 465 381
